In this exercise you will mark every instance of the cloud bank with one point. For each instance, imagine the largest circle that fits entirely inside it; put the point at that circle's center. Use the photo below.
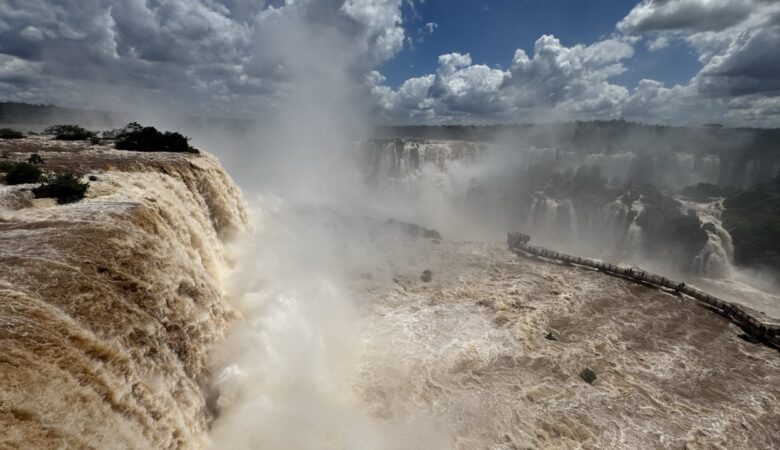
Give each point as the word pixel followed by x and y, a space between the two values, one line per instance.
pixel 240 58
pixel 222 57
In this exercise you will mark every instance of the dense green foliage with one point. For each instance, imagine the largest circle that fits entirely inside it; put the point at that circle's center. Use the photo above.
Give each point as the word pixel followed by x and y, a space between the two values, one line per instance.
pixel 667 231
pixel 583 185
pixel 22 172
pixel 65 188
pixel 69 132
pixel 149 139
pixel 752 217
pixel 8 133
pixel 703 192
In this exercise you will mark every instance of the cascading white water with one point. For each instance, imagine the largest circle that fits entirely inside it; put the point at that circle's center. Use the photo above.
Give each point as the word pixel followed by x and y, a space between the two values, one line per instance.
pixel 383 160
pixel 345 345
pixel 446 186
pixel 108 306
pixel 285 376
pixel 716 258
pixel 633 242
pixel 713 261
pixel 112 308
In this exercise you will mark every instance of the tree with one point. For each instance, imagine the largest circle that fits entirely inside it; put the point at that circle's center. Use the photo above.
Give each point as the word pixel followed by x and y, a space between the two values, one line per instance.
pixel 23 172
pixel 8 133
pixel 149 139
pixel 69 133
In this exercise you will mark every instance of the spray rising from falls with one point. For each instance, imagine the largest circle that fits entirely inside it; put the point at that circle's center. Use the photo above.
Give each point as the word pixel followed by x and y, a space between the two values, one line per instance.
pixel 558 196
pixel 478 191
pixel 349 330
pixel 285 376
pixel 363 332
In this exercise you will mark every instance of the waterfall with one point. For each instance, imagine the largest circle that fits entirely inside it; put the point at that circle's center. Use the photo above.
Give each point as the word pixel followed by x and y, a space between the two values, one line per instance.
pixel 388 159
pixel 447 175
pixel 713 260
pixel 633 242
pixel 716 258
pixel 108 306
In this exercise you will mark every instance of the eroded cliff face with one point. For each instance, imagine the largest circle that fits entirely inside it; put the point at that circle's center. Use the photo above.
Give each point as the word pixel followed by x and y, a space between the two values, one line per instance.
pixel 108 306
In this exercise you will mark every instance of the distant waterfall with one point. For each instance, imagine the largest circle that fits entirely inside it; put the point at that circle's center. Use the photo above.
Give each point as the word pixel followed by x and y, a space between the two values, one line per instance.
pixel 610 228
pixel 382 159
pixel 716 258
pixel 472 184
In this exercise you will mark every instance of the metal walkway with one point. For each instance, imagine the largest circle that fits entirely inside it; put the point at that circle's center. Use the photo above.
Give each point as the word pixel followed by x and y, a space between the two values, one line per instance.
pixel 754 323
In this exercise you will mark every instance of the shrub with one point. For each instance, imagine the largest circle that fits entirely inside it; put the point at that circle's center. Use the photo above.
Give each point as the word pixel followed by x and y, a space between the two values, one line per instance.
pixel 66 188
pixel 8 133
pixel 69 133
pixel 149 139
pixel 703 191
pixel 23 172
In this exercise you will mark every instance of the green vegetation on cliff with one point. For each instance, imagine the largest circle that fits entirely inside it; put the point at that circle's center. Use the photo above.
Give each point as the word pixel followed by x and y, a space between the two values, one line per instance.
pixel 667 230
pixel 21 173
pixel 703 192
pixel 65 188
pixel 752 217
pixel 8 133
pixel 69 133
pixel 149 139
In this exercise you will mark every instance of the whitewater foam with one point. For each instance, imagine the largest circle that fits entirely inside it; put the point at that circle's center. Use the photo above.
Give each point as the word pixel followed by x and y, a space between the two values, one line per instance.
pixel 109 305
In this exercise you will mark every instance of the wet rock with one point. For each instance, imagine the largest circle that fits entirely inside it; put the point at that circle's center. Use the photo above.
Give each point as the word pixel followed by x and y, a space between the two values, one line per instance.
pixel 749 338
pixel 426 276
pixel 588 375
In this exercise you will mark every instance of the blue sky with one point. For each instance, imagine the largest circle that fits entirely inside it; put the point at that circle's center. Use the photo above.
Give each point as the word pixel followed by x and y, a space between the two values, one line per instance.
pixel 491 31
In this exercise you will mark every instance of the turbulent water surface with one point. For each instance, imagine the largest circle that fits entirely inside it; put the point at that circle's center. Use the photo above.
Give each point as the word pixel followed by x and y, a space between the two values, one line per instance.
pixel 127 321
pixel 493 346
pixel 108 306
pixel 483 351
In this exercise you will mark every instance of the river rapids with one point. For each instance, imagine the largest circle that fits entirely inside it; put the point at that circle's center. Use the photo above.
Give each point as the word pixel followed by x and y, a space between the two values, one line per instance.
pixel 162 312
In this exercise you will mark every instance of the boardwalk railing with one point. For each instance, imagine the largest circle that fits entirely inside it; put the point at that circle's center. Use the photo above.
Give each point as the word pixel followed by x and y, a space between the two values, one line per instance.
pixel 758 326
